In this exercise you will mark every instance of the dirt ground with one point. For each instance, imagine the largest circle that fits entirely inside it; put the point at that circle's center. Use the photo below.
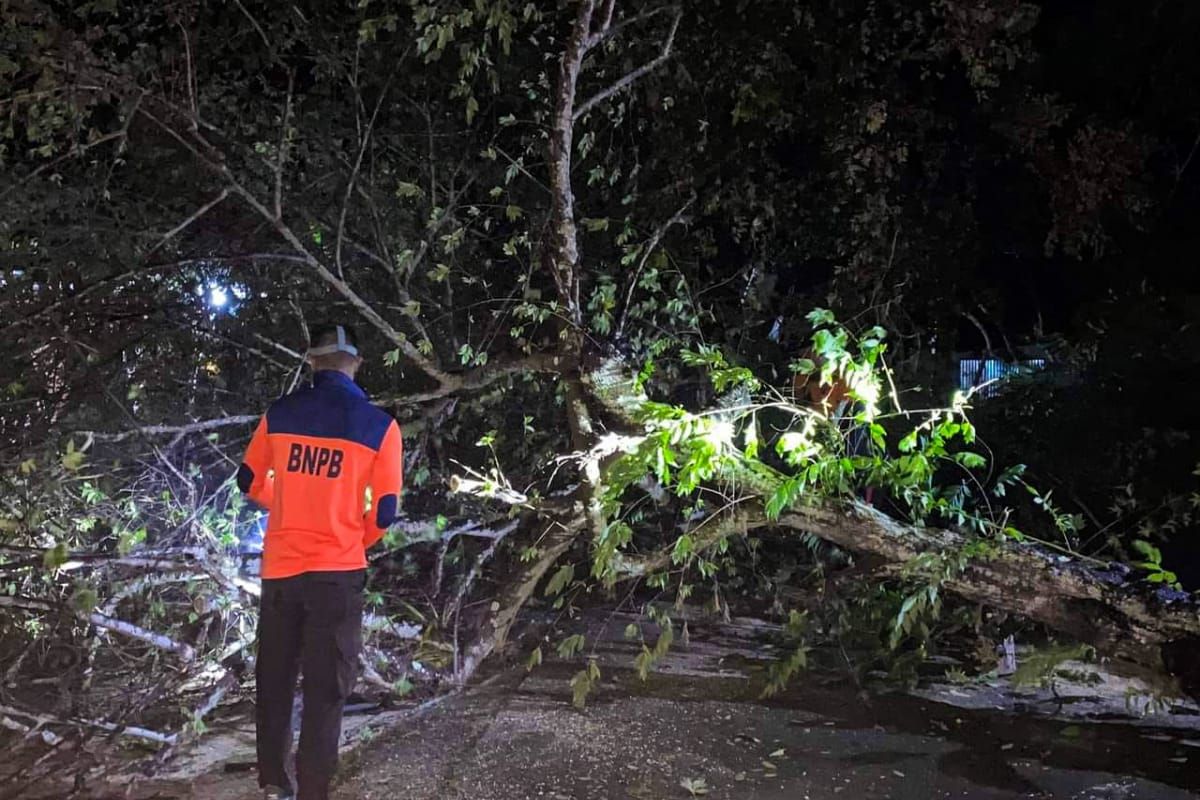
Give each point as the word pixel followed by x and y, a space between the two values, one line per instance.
pixel 520 739
pixel 699 728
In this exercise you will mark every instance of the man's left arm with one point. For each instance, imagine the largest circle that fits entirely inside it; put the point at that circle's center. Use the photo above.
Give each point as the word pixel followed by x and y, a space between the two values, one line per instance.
pixel 386 481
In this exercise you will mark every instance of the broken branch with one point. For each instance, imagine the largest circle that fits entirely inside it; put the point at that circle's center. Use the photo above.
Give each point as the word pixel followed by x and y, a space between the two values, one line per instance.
pixel 128 629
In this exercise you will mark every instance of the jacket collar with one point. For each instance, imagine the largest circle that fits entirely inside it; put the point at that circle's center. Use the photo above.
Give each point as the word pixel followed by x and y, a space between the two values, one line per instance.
pixel 336 380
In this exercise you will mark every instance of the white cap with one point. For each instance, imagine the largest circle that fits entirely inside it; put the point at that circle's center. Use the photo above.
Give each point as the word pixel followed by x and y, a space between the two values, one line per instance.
pixel 342 346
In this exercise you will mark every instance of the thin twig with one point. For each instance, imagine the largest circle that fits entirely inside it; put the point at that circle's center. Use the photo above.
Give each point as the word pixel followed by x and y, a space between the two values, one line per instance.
pixel 362 149
pixel 74 152
pixel 190 74
pixel 650 246
pixel 284 141
pixel 633 76
pixel 171 234
pixel 610 31
pixel 257 27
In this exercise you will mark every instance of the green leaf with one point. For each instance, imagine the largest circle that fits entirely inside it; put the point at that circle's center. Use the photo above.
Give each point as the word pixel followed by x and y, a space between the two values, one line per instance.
pixel 56 556
pixel 971 460
pixel 783 497
pixel 72 459
pixel 406 190
pixel 821 316
pixel 453 240
pixel 1014 534
pixel 564 576
pixel 583 682
pixel 803 366
pixel 84 599
pixel 682 549
pixel 1151 553
pixel 571 645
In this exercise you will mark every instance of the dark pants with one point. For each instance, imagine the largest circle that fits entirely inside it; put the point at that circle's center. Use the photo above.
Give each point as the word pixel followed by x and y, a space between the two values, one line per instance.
pixel 310 623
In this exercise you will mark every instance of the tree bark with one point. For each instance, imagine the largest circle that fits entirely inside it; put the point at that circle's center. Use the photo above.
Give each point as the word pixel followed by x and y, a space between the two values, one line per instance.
pixel 564 237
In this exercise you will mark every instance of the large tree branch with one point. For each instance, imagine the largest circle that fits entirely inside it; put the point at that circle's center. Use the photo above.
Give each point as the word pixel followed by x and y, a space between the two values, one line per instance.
pixel 203 426
pixel 1090 605
pixel 127 629
pixel 634 75
pixel 216 164
pixel 557 539
pixel 455 383
pixel 607 9
pixel 364 308
pixel 564 236
pixel 485 376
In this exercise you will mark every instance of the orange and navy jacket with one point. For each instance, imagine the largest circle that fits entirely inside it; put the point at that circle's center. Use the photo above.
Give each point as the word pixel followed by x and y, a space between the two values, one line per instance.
pixel 313 456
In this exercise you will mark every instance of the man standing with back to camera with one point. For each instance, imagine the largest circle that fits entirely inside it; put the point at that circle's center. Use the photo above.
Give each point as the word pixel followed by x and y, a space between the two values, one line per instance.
pixel 310 463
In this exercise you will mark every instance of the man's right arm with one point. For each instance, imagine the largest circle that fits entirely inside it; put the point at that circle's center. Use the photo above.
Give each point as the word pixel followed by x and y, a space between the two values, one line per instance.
pixel 254 475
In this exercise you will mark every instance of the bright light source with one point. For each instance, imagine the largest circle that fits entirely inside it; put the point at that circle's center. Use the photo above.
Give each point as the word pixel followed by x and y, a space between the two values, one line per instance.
pixel 218 296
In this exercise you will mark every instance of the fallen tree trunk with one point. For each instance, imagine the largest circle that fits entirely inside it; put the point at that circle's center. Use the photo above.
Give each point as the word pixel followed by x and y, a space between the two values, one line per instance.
pixel 1120 618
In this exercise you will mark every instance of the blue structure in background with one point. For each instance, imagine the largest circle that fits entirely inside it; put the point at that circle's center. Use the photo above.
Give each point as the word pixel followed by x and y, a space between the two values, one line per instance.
pixel 988 375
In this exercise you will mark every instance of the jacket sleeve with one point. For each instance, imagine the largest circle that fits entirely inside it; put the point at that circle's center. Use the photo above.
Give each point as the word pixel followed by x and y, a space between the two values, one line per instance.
pixel 386 482
pixel 254 476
